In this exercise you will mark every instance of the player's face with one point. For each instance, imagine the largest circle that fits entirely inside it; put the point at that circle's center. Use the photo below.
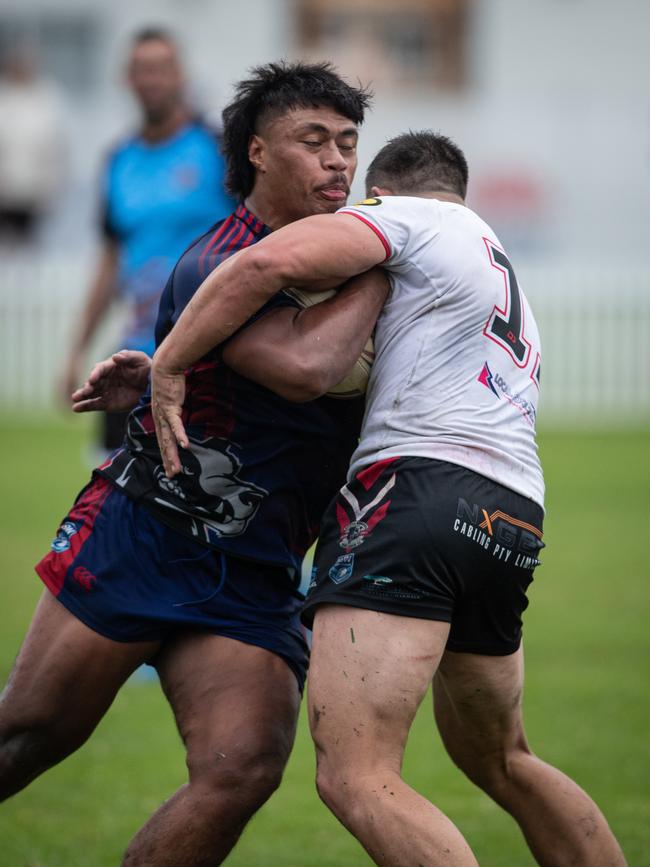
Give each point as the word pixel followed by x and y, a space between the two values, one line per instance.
pixel 156 78
pixel 305 161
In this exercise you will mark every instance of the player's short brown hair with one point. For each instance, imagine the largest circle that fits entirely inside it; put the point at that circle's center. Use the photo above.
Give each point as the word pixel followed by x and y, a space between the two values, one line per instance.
pixel 417 162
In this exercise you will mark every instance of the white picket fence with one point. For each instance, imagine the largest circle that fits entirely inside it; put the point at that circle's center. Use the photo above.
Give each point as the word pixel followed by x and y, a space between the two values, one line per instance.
pixel 595 327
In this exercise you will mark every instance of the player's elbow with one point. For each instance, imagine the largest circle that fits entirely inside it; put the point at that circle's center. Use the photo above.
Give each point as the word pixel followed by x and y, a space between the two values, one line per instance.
pixel 301 380
pixel 262 268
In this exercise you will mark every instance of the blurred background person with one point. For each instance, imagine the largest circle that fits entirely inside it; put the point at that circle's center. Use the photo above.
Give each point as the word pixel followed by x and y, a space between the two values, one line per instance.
pixel 161 188
pixel 31 146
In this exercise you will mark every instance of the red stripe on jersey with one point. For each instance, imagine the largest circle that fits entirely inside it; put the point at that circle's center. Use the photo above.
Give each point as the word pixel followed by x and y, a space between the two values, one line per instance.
pixel 224 227
pixel 370 474
pixel 53 568
pixel 374 228
pixel 249 218
pixel 226 243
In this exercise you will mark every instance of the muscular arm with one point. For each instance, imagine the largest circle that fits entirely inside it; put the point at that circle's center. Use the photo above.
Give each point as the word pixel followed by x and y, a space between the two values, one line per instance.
pixel 302 354
pixel 324 250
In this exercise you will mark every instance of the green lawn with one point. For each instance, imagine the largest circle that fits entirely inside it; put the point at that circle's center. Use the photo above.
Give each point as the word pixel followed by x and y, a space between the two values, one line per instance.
pixel 587 699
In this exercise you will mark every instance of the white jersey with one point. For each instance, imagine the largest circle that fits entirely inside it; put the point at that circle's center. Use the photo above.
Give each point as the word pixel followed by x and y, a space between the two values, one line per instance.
pixel 457 364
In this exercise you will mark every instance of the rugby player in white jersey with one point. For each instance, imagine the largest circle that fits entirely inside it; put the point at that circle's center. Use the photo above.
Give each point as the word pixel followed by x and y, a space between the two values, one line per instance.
pixel 426 554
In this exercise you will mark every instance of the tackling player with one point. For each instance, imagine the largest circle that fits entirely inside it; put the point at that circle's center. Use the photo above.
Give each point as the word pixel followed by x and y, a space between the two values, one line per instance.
pixel 427 552
pixel 199 575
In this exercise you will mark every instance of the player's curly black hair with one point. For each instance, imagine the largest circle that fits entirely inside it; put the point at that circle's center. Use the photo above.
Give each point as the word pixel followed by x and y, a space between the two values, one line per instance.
pixel 417 161
pixel 274 89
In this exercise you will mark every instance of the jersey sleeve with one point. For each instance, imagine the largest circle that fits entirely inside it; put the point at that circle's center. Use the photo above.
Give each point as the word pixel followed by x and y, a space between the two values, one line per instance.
pixel 395 220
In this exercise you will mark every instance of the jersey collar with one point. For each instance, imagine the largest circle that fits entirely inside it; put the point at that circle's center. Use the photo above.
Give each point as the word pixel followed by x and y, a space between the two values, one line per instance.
pixel 254 224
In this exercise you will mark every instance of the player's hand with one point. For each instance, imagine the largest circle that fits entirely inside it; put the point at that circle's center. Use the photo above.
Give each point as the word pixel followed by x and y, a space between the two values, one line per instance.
pixel 167 396
pixel 115 384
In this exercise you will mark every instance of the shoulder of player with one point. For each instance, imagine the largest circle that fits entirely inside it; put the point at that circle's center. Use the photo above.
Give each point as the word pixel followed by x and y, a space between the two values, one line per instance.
pixel 389 206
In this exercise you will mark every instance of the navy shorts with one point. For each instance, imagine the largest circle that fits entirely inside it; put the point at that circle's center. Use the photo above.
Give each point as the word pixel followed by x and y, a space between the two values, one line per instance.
pixel 131 578
pixel 425 538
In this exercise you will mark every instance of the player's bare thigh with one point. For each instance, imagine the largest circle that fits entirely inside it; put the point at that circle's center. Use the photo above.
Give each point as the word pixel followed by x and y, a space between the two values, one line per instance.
pixel 66 675
pixel 234 703
pixel 369 672
pixel 478 704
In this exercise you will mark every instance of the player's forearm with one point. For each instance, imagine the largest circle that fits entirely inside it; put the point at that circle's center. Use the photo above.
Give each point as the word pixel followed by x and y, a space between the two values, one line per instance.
pixel 333 334
pixel 316 250
pixel 301 355
pixel 226 299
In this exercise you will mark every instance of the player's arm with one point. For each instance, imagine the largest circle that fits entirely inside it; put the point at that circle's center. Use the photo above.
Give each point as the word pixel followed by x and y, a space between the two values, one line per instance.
pixel 115 384
pixel 320 251
pixel 302 354
pixel 325 250
pixel 101 293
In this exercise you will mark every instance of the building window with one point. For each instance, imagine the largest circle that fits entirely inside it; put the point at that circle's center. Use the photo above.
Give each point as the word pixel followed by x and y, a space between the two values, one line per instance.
pixel 410 43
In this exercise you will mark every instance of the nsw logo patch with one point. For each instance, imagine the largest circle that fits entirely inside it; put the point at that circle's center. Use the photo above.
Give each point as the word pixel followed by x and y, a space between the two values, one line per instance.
pixel 342 568
pixel 66 531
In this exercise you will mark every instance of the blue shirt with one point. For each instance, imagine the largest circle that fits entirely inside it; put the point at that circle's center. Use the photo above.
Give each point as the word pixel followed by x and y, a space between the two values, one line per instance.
pixel 260 470
pixel 158 197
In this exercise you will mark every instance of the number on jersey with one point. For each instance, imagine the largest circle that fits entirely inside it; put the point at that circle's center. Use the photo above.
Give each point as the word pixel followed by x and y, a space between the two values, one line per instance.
pixel 506 327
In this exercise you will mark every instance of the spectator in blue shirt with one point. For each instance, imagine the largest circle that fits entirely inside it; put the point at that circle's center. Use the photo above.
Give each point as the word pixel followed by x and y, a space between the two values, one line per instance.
pixel 161 188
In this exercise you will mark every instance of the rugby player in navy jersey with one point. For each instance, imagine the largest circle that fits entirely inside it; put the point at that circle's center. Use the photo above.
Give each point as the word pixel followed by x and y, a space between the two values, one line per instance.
pixel 198 575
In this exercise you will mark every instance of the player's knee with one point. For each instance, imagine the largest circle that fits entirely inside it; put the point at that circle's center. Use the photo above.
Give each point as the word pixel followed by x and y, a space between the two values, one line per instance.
pixel 495 770
pixel 247 777
pixel 340 788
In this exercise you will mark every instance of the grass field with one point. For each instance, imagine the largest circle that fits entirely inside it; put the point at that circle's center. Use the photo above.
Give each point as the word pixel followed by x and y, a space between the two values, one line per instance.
pixel 587 699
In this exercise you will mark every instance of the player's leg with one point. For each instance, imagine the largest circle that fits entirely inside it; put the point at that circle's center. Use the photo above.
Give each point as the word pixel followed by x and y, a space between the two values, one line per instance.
pixel 63 681
pixel 477 702
pixel 236 707
pixel 368 675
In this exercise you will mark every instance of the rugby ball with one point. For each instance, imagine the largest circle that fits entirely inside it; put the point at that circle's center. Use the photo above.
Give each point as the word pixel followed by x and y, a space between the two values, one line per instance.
pixel 354 384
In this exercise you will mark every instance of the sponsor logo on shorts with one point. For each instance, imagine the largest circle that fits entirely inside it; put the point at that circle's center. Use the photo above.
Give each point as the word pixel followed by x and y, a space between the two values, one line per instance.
pixel 378 580
pixel 65 532
pixel 342 568
pixel 381 585
pixel 506 538
pixel 84 578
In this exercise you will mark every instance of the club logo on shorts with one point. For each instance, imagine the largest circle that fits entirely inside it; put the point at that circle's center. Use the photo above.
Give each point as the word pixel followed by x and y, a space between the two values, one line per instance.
pixel 62 541
pixel 342 568
pixel 357 519
pixel 354 534
pixel 84 578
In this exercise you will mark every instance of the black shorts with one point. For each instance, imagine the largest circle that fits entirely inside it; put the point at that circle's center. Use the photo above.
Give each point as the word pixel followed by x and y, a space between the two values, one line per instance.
pixel 425 538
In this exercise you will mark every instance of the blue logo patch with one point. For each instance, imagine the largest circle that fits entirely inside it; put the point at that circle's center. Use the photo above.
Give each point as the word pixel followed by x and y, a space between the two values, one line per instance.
pixel 342 568
pixel 66 531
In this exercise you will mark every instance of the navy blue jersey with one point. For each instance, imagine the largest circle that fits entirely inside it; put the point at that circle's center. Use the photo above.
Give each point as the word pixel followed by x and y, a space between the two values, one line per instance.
pixel 260 470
